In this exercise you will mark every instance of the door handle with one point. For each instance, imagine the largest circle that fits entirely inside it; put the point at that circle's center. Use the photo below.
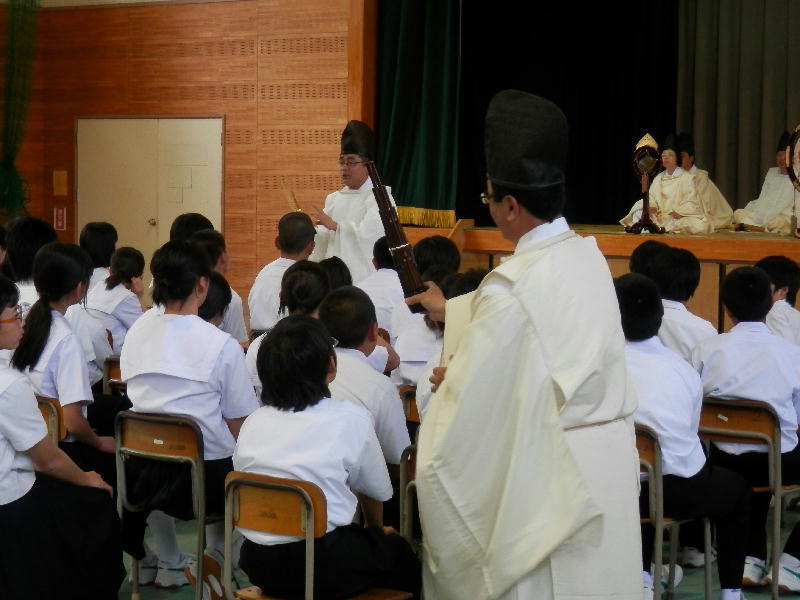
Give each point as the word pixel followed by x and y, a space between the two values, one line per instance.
pixel 152 222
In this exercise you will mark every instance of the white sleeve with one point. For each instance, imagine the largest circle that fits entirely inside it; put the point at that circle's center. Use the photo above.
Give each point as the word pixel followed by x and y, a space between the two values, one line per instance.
pixel 368 473
pixel 69 373
pixel 128 311
pixel 390 426
pixel 424 393
pixel 378 359
pixel 21 423
pixel 237 396
pixel 233 321
pixel 250 362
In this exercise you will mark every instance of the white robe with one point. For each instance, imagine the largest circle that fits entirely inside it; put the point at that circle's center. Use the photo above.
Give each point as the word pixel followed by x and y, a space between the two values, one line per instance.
pixel 772 210
pixel 527 470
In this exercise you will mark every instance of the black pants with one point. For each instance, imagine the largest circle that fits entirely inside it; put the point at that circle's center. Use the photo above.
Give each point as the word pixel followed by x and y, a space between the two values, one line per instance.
pixel 347 561
pixel 714 492
pixel 92 459
pixel 754 467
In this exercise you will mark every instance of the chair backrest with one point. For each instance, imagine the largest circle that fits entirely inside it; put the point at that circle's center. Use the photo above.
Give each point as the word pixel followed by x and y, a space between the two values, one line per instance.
pixel 54 417
pixel 408 394
pixel 650 461
pixel 739 421
pixel 112 375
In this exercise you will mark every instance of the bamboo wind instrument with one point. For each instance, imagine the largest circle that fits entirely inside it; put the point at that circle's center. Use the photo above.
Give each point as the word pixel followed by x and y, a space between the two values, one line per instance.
pixel 404 262
pixel 290 197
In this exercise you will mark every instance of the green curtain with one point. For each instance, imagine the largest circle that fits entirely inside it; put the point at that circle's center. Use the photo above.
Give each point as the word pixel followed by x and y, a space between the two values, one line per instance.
pixel 417 123
pixel 20 49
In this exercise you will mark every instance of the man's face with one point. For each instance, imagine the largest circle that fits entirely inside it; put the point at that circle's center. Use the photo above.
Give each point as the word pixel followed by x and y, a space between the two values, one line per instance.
pixel 352 170
pixel 669 160
pixel 687 160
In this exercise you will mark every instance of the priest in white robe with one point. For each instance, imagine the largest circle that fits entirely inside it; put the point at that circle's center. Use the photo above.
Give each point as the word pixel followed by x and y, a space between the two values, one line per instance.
pixel 527 472
pixel 717 209
pixel 350 223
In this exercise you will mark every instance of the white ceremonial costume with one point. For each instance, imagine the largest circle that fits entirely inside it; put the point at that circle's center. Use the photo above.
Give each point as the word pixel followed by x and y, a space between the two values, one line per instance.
pixel 424 387
pixel 359 227
pixel 715 206
pixel 359 383
pixel 233 320
pixel 727 364
pixel 264 297
pixel 99 275
pixel 117 309
pixel 182 365
pixel 527 471
pixel 682 330
pixel 783 320
pixel 384 289
pixel 773 208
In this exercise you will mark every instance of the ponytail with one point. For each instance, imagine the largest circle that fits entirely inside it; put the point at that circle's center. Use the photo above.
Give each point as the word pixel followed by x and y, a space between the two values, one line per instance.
pixel 37 330
pixel 126 263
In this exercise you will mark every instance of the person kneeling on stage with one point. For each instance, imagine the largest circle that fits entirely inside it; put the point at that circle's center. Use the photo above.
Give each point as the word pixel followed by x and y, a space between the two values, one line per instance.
pixel 670 397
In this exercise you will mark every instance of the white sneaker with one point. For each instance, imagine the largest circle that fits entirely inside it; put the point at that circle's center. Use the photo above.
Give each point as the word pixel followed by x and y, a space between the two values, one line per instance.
pixel 148 568
pixel 647 591
pixel 755 571
pixel 665 575
pixel 789 579
pixel 172 576
pixel 695 558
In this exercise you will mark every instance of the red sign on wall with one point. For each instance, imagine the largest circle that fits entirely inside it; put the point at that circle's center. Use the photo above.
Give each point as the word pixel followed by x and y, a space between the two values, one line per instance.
pixel 60 218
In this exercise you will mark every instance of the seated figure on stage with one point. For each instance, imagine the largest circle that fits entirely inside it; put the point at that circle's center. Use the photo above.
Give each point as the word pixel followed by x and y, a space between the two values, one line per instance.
pixel 676 203
pixel 772 210
pixel 717 208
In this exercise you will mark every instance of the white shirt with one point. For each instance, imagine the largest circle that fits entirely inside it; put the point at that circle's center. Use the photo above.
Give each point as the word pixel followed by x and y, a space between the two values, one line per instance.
pixel 670 396
pixel 250 362
pixel 384 289
pixel 357 382
pixel 117 309
pixel 681 330
pixel 182 365
pixel 416 343
pixel 99 275
pixel 21 428
pixel 93 339
pixel 752 363
pixel 331 444
pixel 264 298
pixel 233 320
pixel 424 392
pixel 784 320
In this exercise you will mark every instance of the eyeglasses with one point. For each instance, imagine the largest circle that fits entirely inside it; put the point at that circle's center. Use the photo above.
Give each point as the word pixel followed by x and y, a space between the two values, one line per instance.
pixel 334 342
pixel 349 163
pixel 486 196
pixel 19 314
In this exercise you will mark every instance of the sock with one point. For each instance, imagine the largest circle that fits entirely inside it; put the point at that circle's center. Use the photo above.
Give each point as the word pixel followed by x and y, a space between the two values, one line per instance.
pixel 647 579
pixel 165 537
pixel 215 538
pixel 730 594
pixel 787 560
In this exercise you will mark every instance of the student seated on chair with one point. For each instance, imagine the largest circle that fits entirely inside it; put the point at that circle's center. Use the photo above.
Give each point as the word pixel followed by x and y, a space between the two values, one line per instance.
pixel 176 363
pixel 338 273
pixel 218 300
pixel 301 433
pixel 59 523
pixel 783 318
pixel 99 239
pixel 751 362
pixel 383 286
pixel 670 397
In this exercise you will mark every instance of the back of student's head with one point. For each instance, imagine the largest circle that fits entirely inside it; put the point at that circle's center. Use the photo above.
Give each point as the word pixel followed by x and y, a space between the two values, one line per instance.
pixel 295 232
pixel 293 363
pixel 382 254
pixel 348 313
pixel 458 284
pixel 126 264
pixel 176 268
pixel 303 287
pixel 676 273
pixel 57 270
pixel 639 306
pixel 218 298
pixel 25 236
pixel 338 273
pixel 186 224
pixel 99 239
pixel 783 272
pixel 746 293
pixel 643 256
pixel 212 242
pixel 436 250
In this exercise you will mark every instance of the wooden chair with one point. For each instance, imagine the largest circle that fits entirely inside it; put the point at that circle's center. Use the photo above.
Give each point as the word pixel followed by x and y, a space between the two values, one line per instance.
pixel 54 417
pixel 112 377
pixel 752 422
pixel 408 393
pixel 651 462
pixel 282 507
pixel 171 439
pixel 408 494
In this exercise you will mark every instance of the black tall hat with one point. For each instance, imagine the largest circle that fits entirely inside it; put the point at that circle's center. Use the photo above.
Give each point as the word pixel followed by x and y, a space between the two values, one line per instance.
pixel 685 143
pixel 357 138
pixel 526 142
pixel 671 143
pixel 783 142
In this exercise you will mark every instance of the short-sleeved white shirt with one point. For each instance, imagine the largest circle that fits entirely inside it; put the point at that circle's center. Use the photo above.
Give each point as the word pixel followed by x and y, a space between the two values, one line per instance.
pixel 99 275
pixel 784 320
pixel 384 289
pixel 233 320
pixel 331 444
pixel 117 309
pixel 264 298
pixel 250 362
pixel 681 330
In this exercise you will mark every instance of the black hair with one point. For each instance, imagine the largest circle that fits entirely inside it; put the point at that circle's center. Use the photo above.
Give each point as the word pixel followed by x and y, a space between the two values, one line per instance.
pixel 639 306
pixel 212 242
pixel 295 232
pixel 126 263
pixel 99 239
pixel 57 269
pixel 2 237
pixel 186 224
pixel 676 273
pixel 382 254
pixel 348 313
pixel 783 272
pixel 746 293
pixel 458 284
pixel 337 271
pixel 547 204
pixel 218 297
pixel 437 274
pixel 9 293
pixel 176 268
pixel 436 250
pixel 303 287
pixel 293 363
pixel 644 254
pixel 25 236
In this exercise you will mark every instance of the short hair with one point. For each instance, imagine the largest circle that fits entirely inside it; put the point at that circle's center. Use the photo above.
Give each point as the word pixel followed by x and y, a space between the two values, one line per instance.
pixel 293 363
pixel 643 256
pixel 546 205
pixel 746 293
pixel 25 236
pixel 126 263
pixel 218 297
pixel 458 284
pixel 303 287
pixel 783 272
pixel 176 268
pixel 99 239
pixel 436 250
pixel 348 313
pixel 382 254
pixel 212 242
pixel 295 232
pixel 337 271
pixel 640 306
pixel 186 224
pixel 676 273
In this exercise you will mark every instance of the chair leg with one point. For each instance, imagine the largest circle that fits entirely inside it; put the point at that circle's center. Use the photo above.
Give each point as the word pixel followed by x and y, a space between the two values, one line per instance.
pixel 135 579
pixel 201 548
pixel 777 503
pixel 673 558
pixel 707 553
pixel 657 557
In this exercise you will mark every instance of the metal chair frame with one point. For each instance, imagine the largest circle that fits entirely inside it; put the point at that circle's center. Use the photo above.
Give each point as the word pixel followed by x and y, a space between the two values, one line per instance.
pixel 53 416
pixel 408 494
